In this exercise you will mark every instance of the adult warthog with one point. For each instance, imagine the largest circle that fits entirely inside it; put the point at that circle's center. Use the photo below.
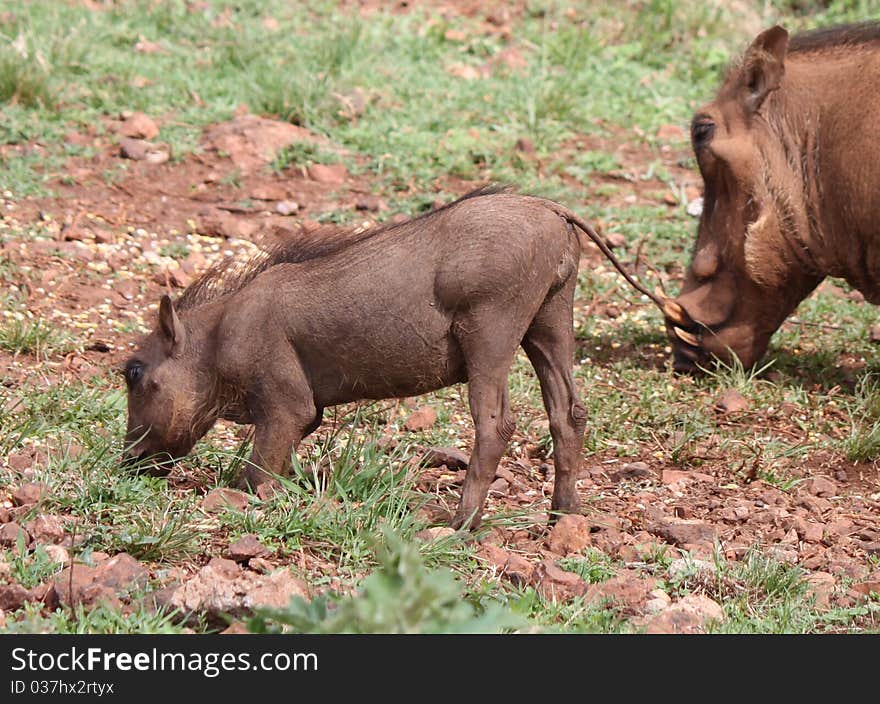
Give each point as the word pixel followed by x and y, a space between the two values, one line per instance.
pixel 789 151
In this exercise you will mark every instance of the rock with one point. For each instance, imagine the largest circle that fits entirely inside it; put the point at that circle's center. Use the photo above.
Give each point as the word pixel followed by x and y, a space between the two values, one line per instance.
pixel 421 419
pixel 525 145
pixel 226 225
pixel 287 207
pixel 13 596
pixel 20 461
pixel 571 534
pixel 820 486
pixel 269 191
pixel 731 401
pixel 222 499
pixel 677 476
pixel 142 150
pixel 515 568
pixel 139 126
pixel 499 487
pixel 680 531
pixel 436 533
pixel 626 590
pixel 658 600
pixel 685 567
pixel 631 470
pixel 217 590
pixel 5 516
pixel 615 240
pixel 30 493
pixel 261 565
pixel 874 335
pixel 57 553
pixel 556 584
pixel 691 614
pixel 246 547
pixel 671 133
pixel 252 142
pixel 450 457
pixel 236 628
pixel 46 529
pixel 105 582
pixel 872 549
pixel 370 203
pixel 820 585
pixel 330 174
pixel 866 588
pixel 11 534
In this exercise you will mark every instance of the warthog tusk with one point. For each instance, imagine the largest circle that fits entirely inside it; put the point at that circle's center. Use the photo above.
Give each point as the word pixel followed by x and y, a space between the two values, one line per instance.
pixel 687 337
pixel 676 314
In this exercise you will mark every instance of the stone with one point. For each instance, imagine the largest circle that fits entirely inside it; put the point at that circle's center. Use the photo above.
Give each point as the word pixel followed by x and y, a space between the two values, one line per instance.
pixel 11 534
pixel 139 126
pixel 525 145
pixel 58 554
pixel 731 401
pixel 681 531
pixel 677 476
pixel 330 174
pixel 222 499
pixel 626 590
pixel 246 547
pixel 820 486
pixel 421 419
pixel 46 529
pixel 684 567
pixel 515 568
pixel 30 493
pixel 556 584
pixel 690 614
pixel 571 534
pixel 104 582
pixel 631 470
pixel 13 596
pixel 450 457
pixel 436 533
pixel 287 207
pixel 252 142
pixel 820 585
pixel 218 590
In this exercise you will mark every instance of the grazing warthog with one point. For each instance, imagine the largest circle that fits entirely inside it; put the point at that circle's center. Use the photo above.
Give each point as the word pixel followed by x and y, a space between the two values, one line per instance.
pixel 393 311
pixel 790 157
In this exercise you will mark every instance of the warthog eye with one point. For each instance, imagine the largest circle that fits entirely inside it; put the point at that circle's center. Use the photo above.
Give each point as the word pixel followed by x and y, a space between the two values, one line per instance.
pixel 134 370
pixel 702 132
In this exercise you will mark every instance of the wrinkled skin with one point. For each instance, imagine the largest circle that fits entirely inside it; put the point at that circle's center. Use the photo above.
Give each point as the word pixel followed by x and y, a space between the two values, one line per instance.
pixel 782 163
pixel 442 299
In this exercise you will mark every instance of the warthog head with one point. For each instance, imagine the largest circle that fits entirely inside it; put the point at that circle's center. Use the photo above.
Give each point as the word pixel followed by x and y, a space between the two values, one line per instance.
pixel 747 273
pixel 169 399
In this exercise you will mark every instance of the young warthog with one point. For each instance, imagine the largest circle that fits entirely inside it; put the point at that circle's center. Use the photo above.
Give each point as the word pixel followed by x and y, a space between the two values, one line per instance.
pixel 389 312
pixel 789 154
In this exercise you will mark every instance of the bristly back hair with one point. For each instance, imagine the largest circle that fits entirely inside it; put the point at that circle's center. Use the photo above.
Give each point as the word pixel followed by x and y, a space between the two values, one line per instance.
pixel 834 37
pixel 231 275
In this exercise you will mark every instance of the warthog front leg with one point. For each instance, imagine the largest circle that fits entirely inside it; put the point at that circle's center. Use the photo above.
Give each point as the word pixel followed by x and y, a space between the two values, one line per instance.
pixel 283 413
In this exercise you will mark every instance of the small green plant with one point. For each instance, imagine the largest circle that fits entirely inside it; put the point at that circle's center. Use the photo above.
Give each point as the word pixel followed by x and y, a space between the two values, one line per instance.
pixel 594 566
pixel 401 596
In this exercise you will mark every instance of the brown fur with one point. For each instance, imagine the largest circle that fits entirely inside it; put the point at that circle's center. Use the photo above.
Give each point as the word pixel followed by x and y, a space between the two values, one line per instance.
pixel 791 166
pixel 389 312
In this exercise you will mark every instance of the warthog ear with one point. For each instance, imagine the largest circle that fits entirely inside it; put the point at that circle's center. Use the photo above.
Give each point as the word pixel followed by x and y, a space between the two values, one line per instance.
pixel 764 66
pixel 171 327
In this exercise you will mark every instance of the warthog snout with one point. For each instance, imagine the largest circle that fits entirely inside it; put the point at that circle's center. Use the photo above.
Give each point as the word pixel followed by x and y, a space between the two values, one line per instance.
pixel 686 337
